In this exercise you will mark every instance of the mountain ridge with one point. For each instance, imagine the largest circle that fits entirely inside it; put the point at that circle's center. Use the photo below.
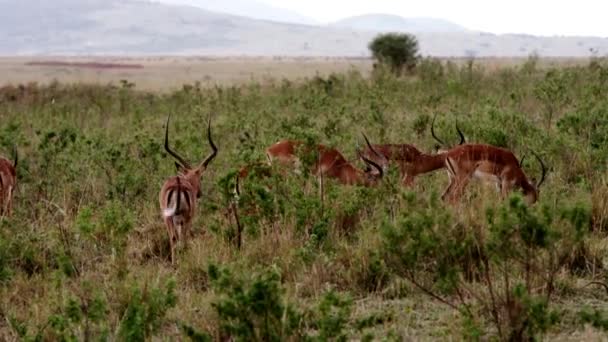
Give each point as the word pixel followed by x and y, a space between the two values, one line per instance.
pixel 392 22
pixel 109 27
pixel 247 8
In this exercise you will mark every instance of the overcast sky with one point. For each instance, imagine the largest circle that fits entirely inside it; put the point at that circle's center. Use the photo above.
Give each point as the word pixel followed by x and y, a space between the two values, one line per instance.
pixel 539 17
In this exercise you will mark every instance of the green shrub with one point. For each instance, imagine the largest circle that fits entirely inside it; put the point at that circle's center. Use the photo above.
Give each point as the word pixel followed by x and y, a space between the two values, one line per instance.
pixel 145 312
pixel 397 50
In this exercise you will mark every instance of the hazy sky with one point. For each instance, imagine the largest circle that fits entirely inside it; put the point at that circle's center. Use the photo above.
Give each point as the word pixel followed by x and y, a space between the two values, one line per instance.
pixel 540 17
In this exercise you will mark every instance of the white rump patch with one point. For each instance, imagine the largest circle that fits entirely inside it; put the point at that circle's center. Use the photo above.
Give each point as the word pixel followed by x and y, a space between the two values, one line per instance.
pixel 168 212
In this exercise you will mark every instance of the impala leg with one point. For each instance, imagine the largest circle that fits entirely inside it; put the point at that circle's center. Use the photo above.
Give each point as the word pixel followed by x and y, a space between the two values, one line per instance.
pixel 187 233
pixel 448 189
pixel 452 178
pixel 172 237
pixel 505 188
pixel 9 201
pixel 458 188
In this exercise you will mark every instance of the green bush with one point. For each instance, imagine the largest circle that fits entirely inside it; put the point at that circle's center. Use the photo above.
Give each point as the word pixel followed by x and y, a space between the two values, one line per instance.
pixel 516 257
pixel 397 50
pixel 145 312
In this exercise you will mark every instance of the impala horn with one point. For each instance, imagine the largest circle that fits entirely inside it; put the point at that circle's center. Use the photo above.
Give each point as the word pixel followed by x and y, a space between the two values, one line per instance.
pixel 521 161
pixel 371 163
pixel 433 131
pixel 213 147
pixel 462 140
pixel 543 167
pixel 16 154
pixel 369 145
pixel 168 149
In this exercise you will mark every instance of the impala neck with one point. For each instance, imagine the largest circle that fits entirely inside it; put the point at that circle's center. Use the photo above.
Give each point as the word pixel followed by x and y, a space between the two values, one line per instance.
pixel 430 162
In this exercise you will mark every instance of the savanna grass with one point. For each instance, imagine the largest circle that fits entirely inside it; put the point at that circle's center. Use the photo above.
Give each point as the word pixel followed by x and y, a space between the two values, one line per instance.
pixel 85 255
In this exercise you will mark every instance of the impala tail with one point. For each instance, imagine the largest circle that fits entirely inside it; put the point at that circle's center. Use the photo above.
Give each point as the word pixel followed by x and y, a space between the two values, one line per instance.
pixel 177 201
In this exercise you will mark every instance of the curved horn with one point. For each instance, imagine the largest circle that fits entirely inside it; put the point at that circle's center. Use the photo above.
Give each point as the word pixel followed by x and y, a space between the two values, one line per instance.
pixel 372 148
pixel 459 133
pixel 213 147
pixel 433 131
pixel 16 154
pixel 521 161
pixel 168 149
pixel 543 167
pixel 369 162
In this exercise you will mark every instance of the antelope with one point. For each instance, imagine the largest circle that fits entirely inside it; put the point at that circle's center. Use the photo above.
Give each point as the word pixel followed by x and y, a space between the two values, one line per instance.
pixel 179 193
pixel 411 161
pixel 489 164
pixel 330 162
pixel 8 182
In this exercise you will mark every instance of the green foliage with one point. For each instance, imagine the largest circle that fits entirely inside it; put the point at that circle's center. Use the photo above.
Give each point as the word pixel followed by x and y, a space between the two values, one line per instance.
pixel 515 256
pixel 145 312
pixel 80 318
pixel 254 310
pixel 552 92
pixel 92 163
pixel 597 318
pixel 397 50
pixel 332 316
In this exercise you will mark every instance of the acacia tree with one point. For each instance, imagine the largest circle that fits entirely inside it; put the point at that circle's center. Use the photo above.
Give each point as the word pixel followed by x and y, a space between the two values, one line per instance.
pixel 396 50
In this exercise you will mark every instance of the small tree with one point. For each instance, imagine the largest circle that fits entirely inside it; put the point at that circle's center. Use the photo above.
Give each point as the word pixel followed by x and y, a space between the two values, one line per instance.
pixel 397 50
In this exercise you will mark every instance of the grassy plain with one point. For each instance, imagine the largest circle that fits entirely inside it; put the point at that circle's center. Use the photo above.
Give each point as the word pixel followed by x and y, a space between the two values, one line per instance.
pixel 170 73
pixel 85 255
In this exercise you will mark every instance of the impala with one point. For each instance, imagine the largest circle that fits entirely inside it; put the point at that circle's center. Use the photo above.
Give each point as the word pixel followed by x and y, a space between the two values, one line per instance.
pixel 489 164
pixel 8 182
pixel 411 161
pixel 329 162
pixel 179 193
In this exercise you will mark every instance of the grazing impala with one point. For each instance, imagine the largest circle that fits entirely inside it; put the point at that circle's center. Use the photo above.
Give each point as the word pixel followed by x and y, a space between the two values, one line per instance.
pixel 329 162
pixel 411 161
pixel 179 194
pixel 8 182
pixel 490 164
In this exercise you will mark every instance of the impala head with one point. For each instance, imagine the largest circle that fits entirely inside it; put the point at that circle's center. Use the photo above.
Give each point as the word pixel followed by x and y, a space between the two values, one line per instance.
pixel 531 189
pixel 441 143
pixel 185 169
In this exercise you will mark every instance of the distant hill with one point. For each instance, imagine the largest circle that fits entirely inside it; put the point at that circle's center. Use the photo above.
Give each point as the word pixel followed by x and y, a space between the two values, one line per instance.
pixel 247 8
pixel 395 23
pixel 138 27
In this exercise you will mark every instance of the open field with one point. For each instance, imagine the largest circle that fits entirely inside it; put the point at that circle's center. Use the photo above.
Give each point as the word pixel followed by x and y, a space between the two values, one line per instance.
pixel 170 73
pixel 85 255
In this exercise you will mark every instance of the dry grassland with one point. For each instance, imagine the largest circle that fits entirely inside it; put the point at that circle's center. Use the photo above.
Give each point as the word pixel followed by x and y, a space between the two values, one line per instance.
pixel 170 73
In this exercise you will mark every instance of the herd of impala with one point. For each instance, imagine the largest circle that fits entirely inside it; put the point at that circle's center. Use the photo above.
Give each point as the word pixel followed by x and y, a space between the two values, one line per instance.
pixel 464 162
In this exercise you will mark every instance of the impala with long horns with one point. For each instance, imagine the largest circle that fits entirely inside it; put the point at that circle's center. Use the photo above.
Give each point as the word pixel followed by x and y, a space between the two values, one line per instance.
pixel 410 160
pixel 489 164
pixel 8 182
pixel 179 194
pixel 329 162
